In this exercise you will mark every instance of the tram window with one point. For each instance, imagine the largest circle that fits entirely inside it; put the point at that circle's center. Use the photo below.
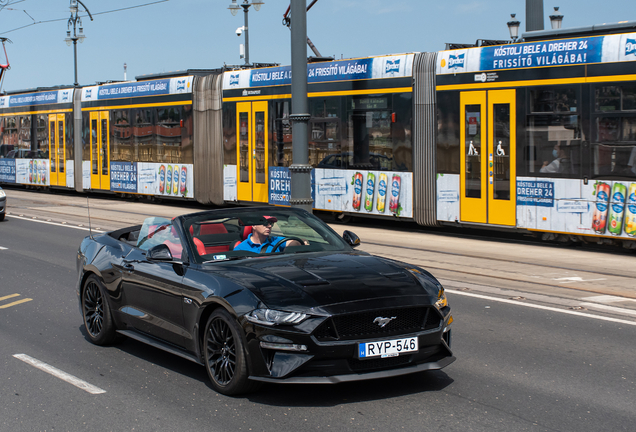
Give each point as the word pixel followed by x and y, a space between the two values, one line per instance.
pixel 24 136
pixel 61 145
pixel 473 150
pixel 280 152
pixel 553 145
pixel 86 137
pixel 121 142
pixel 229 134
pixel 42 135
pixel 448 159
pixel 548 99
pixel 94 159
pixel 614 160
pixel 144 139
pixel 244 173
pixel 615 98
pixel 324 131
pixel 70 137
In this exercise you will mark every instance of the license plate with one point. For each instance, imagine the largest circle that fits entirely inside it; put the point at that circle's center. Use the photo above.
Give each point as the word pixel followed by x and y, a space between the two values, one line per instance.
pixel 387 348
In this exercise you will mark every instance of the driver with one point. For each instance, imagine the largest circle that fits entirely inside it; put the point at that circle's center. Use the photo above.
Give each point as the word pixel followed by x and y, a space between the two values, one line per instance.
pixel 261 240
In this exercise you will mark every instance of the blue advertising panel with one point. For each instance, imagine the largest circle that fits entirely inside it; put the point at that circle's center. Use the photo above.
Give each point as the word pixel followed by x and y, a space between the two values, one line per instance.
pixel 539 54
pixel 318 72
pixel 7 170
pixel 280 185
pixel 535 193
pixel 134 89
pixel 33 99
pixel 123 177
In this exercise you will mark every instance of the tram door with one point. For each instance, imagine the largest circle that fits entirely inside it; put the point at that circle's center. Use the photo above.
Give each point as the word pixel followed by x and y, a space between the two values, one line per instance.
pixel 252 149
pixel 488 169
pixel 57 150
pixel 100 150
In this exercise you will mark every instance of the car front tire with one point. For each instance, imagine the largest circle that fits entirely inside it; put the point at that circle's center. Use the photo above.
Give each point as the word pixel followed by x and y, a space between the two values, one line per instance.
pixel 225 359
pixel 96 312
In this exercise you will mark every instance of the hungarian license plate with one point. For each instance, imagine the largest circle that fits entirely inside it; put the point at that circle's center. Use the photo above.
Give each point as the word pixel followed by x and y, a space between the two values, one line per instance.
pixel 387 348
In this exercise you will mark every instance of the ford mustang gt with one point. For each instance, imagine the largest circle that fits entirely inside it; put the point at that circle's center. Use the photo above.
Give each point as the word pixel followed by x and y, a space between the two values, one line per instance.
pixel 262 295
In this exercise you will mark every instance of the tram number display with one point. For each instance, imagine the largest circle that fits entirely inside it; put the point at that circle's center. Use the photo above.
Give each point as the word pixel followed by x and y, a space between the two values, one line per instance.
pixel 387 348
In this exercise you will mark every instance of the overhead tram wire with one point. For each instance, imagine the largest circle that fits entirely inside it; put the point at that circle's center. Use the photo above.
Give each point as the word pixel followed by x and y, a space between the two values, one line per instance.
pixel 66 19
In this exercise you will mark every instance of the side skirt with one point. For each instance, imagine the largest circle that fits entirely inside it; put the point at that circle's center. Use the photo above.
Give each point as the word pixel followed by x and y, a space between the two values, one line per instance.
pixel 158 344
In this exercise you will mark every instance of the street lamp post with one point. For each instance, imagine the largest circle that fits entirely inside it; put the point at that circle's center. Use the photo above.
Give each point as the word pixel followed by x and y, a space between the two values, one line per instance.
pixel 74 19
pixel 234 8
pixel 513 26
pixel 556 20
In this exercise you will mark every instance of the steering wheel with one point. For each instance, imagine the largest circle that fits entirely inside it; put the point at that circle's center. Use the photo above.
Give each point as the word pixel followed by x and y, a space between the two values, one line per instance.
pixel 284 239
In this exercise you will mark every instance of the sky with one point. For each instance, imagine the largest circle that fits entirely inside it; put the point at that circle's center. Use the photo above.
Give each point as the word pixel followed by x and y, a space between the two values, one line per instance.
pixel 170 35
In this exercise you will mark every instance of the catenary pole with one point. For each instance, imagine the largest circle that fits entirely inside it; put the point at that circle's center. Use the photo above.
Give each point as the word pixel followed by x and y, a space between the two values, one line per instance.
pixel 300 168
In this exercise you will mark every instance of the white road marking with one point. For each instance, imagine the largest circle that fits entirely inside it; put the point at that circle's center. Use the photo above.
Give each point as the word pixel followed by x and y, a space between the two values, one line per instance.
pixel 63 224
pixel 608 299
pixel 613 309
pixel 552 309
pixel 60 374
pixel 3 248
pixel 575 279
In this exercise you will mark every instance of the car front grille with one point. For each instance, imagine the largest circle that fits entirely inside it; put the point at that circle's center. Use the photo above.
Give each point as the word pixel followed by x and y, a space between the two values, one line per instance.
pixel 367 325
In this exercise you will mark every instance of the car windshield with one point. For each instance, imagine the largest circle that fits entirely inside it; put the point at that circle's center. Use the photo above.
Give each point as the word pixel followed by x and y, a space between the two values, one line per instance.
pixel 241 233
pixel 157 230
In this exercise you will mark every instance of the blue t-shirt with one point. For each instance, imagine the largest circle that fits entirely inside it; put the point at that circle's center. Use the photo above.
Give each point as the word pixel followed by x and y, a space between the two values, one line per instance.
pixel 248 245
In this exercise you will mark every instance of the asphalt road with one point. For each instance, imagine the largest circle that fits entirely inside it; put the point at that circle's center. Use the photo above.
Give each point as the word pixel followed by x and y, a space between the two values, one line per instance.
pixel 528 357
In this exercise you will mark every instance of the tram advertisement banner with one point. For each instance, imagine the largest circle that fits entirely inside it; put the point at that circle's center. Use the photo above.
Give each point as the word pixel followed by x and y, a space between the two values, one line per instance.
pixel 166 179
pixel 572 51
pixel 601 207
pixel 384 193
pixel 32 171
pixel 7 170
pixel 280 185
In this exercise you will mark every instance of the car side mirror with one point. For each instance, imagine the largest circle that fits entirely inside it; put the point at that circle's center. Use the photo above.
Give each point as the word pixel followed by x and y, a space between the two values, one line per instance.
pixel 160 252
pixel 351 239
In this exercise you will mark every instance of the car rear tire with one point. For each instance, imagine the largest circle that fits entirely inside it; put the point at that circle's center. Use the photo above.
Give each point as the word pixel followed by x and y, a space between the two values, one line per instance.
pixel 225 359
pixel 96 312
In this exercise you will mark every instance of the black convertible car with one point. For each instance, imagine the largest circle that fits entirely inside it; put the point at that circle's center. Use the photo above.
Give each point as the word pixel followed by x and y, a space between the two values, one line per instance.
pixel 263 294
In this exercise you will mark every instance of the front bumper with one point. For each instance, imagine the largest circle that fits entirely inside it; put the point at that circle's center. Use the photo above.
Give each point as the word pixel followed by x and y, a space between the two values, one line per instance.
pixel 330 362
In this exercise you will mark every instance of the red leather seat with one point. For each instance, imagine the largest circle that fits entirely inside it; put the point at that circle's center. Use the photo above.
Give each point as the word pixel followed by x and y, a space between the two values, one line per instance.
pixel 209 229
pixel 245 232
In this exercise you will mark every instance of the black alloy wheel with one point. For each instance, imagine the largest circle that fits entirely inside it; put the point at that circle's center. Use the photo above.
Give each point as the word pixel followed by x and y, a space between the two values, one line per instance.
pixel 96 312
pixel 225 355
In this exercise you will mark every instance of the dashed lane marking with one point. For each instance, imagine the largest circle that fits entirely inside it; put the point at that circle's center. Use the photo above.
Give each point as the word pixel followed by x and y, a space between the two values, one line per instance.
pixel 24 300
pixel 3 248
pixel 81 384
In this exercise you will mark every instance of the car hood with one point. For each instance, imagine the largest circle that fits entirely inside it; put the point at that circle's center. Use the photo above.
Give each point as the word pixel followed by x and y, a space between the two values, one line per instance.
pixel 317 280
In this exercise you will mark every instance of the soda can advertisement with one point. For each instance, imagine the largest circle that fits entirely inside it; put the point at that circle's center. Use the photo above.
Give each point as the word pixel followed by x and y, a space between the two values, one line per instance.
pixel 368 201
pixel 30 171
pixel 175 179
pixel 169 180
pixel 357 191
pixel 382 187
pixel 630 211
pixel 599 220
pixel 394 203
pixel 162 178
pixel 616 209
pixel 184 178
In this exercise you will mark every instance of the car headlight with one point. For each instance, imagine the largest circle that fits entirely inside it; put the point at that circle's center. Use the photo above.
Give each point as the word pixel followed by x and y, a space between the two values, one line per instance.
pixel 272 317
pixel 2 194
pixel 441 299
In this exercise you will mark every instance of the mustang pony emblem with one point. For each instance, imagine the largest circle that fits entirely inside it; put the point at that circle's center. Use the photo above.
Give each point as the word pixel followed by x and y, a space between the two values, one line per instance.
pixel 381 321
